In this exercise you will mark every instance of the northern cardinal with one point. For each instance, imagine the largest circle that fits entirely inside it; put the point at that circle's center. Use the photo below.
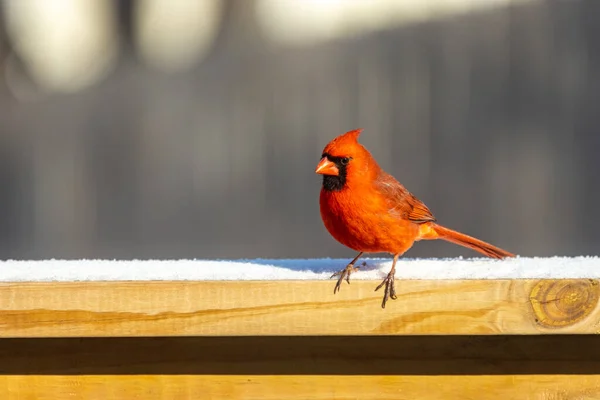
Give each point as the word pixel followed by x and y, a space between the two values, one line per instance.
pixel 368 210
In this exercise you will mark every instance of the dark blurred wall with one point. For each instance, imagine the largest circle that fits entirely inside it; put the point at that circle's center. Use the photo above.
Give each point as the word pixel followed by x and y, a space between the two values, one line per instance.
pixel 490 118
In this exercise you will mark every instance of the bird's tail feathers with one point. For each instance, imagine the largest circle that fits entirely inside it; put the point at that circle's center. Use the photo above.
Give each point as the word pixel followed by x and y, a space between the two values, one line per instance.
pixel 449 235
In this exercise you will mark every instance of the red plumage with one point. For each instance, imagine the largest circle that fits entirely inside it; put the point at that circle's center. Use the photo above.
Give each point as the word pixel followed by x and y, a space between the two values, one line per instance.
pixel 368 210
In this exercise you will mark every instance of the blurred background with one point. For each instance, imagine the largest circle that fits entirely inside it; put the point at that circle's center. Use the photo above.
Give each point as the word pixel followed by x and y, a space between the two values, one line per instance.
pixel 191 128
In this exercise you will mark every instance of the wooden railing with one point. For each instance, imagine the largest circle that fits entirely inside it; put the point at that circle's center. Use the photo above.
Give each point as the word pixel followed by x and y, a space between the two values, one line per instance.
pixel 467 339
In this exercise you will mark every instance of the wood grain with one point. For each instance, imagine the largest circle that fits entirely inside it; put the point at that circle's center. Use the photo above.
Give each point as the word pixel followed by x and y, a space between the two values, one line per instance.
pixel 303 367
pixel 484 307
pixel 525 387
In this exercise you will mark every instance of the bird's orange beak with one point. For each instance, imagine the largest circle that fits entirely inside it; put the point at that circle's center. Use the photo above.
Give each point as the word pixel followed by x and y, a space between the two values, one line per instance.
pixel 326 167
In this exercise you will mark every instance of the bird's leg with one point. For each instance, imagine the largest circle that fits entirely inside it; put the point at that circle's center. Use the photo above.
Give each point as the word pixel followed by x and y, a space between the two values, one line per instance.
pixel 390 289
pixel 345 273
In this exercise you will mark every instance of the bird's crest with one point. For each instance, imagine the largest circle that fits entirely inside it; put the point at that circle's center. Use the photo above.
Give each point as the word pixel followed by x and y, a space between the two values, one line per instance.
pixel 353 134
pixel 343 142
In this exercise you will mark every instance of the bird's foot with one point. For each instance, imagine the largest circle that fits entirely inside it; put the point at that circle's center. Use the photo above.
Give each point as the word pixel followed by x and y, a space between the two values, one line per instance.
pixel 390 288
pixel 345 273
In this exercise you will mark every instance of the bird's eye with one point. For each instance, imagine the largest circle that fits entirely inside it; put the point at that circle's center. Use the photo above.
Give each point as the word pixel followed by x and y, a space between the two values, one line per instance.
pixel 345 160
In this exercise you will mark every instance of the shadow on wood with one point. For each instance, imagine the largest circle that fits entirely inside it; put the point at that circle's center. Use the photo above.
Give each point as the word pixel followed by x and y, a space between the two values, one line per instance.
pixel 303 355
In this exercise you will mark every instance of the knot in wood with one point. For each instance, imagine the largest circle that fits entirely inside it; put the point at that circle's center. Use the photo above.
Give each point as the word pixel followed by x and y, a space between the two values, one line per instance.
pixel 563 302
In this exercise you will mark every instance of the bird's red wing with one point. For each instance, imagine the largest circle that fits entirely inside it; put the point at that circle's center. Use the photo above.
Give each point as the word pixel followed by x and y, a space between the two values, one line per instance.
pixel 419 211
pixel 401 202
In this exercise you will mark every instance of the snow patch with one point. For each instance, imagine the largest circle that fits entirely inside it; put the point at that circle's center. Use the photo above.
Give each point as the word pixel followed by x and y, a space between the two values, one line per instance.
pixel 297 269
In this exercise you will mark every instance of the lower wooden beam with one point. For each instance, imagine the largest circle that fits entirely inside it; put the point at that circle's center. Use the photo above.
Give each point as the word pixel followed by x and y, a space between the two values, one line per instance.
pixel 547 367
pixel 484 307
pixel 326 387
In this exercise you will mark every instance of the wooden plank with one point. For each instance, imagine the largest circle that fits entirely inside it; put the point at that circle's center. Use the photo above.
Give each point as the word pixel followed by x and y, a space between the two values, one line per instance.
pixel 424 307
pixel 163 387
pixel 375 367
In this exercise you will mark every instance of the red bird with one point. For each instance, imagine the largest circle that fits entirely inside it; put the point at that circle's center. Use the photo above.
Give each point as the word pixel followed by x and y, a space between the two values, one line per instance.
pixel 365 208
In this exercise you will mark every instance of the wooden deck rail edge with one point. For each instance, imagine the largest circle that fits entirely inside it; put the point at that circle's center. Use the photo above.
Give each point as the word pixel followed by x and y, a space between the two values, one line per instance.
pixel 292 308
pixel 405 367
pixel 467 339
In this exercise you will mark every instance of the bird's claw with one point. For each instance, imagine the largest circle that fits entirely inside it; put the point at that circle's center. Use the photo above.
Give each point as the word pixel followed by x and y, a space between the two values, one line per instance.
pixel 345 273
pixel 390 288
